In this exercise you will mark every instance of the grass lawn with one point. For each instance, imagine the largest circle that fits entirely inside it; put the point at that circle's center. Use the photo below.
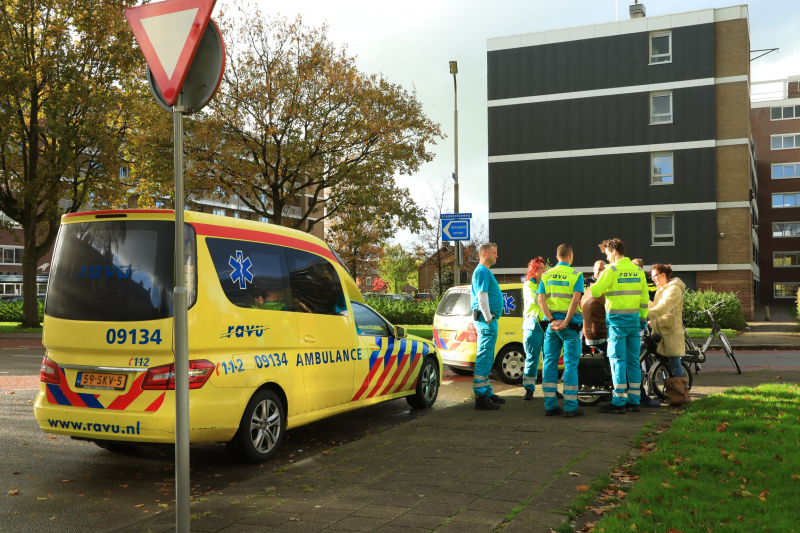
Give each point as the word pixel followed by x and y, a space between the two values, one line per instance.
pixel 420 331
pixel 13 327
pixel 703 333
pixel 730 462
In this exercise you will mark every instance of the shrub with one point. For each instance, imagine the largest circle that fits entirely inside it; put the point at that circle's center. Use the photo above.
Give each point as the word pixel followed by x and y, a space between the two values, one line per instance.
pixel 730 315
pixel 403 311
pixel 12 311
pixel 795 311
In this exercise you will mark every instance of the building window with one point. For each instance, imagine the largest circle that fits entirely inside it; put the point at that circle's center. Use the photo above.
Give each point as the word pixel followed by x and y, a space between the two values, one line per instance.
pixel 663 228
pixel 236 214
pixel 10 256
pixel 791 199
pixel 41 289
pixel 785 170
pixel 784 142
pixel 124 173
pixel 10 289
pixel 661 169
pixel 785 259
pixel 785 112
pixel 786 229
pixel 220 212
pixel 369 282
pixel 661 107
pixel 786 290
pixel 265 220
pixel 661 47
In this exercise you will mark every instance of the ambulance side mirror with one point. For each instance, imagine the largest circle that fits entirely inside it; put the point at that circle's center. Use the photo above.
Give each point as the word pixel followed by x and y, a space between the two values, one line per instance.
pixel 399 332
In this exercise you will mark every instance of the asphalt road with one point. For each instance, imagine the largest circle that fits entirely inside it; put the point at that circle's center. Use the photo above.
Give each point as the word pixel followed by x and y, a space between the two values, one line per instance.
pixel 74 486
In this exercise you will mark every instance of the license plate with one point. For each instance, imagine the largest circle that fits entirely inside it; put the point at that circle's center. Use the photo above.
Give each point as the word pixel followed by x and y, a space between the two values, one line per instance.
pixel 447 334
pixel 98 380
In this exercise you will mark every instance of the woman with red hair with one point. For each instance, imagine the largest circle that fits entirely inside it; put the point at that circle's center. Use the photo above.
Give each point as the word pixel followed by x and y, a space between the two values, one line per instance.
pixel 533 336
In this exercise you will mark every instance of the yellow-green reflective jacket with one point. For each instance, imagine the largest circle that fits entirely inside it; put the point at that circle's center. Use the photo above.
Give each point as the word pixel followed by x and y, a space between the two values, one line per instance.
pixel 533 312
pixel 625 287
pixel 559 286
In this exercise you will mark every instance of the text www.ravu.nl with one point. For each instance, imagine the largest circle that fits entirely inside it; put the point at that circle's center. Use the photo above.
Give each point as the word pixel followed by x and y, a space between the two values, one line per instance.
pixel 97 428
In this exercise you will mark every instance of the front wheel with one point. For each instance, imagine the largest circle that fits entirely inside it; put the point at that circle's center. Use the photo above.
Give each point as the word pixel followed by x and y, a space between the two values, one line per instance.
pixel 729 351
pixel 510 364
pixel 261 430
pixel 588 400
pixel 657 378
pixel 427 385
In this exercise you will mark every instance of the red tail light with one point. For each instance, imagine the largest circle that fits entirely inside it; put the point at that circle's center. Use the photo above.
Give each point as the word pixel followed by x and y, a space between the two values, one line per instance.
pixel 163 377
pixel 472 333
pixel 49 372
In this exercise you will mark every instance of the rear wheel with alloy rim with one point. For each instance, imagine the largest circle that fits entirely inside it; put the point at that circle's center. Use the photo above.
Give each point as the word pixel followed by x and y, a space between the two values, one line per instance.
pixel 262 428
pixel 427 385
pixel 510 364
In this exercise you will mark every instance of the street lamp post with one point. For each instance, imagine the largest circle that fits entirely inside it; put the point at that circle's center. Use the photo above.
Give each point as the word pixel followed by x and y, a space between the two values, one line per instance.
pixel 457 257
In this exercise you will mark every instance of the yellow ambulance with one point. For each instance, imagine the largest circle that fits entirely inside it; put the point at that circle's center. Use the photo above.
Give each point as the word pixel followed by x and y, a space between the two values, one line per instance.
pixel 279 334
pixel 456 338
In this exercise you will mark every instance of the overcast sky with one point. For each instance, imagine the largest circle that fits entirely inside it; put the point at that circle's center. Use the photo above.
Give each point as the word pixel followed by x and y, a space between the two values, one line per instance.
pixel 411 42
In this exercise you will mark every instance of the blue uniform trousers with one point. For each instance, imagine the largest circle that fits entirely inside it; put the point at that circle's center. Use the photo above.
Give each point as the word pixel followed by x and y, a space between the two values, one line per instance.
pixel 554 341
pixel 623 354
pixel 487 338
pixel 532 339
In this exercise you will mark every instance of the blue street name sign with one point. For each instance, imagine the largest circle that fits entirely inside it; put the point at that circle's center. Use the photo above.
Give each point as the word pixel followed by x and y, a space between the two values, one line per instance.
pixel 455 230
pixel 454 216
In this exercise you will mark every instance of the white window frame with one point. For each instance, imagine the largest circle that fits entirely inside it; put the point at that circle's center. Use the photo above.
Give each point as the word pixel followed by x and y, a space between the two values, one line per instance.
pixel 671 111
pixel 263 220
pixel 775 288
pixel 369 281
pixel 784 236
pixel 776 254
pixel 3 253
pixel 218 212
pixel 795 112
pixel 667 33
pixel 796 171
pixel 41 289
pixel 653 229
pixel 795 194
pixel 235 214
pixel 653 174
pixel 782 135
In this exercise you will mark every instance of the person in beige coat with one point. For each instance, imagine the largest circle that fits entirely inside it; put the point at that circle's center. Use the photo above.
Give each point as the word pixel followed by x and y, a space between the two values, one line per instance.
pixel 666 319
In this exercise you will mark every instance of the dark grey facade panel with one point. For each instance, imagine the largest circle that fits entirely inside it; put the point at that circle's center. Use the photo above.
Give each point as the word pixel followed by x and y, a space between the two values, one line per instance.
pixel 600 63
pixel 520 240
pixel 599 122
pixel 600 181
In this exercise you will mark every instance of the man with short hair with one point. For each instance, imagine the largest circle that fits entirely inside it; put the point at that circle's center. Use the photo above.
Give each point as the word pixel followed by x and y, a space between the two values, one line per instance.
pixel 625 288
pixel 560 294
pixel 487 306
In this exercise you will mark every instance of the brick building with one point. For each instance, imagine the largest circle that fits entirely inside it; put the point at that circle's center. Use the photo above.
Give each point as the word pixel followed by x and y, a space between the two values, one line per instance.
pixel 637 129
pixel 11 246
pixel 776 133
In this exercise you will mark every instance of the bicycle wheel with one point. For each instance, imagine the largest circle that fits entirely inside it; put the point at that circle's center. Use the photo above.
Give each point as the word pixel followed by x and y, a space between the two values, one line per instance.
pixel 687 373
pixel 657 379
pixel 729 351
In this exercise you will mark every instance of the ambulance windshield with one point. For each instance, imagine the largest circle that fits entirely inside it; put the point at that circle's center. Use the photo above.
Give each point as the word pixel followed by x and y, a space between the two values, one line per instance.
pixel 456 302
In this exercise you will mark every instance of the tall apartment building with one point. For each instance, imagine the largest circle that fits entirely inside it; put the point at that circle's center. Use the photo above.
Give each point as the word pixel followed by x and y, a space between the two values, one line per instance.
pixel 638 129
pixel 776 132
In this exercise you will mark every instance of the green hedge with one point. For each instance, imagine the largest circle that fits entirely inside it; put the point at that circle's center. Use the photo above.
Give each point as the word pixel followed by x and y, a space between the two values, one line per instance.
pixel 12 311
pixel 403 311
pixel 730 315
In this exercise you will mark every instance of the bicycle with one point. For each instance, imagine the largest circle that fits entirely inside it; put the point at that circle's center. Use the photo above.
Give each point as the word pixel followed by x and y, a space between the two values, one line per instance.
pixel 657 368
pixel 699 351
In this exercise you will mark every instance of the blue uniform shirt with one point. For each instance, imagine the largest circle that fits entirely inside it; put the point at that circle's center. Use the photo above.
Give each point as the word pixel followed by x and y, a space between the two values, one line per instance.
pixel 484 281
pixel 578 287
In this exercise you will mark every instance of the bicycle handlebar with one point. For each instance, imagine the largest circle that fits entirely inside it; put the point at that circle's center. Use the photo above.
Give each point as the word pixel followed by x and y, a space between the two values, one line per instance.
pixel 709 309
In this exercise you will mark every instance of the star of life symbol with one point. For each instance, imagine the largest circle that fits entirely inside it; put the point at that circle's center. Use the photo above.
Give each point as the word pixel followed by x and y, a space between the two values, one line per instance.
pixel 241 269
pixel 508 304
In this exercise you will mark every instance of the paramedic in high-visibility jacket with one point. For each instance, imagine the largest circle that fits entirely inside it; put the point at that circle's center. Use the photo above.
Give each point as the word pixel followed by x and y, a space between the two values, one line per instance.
pixel 625 288
pixel 560 294
pixel 487 306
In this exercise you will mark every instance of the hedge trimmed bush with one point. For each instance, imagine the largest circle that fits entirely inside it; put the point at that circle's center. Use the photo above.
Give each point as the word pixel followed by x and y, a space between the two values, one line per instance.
pixel 403 311
pixel 729 316
pixel 12 311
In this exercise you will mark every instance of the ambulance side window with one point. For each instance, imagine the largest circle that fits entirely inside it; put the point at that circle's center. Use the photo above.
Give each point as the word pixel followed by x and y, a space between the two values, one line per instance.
pixel 368 322
pixel 315 284
pixel 252 274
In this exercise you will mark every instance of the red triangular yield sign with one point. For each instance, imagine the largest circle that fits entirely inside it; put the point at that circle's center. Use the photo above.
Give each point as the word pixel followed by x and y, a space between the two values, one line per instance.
pixel 169 33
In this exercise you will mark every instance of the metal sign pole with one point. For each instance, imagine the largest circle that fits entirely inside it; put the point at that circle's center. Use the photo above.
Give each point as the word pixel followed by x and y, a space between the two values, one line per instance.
pixel 181 333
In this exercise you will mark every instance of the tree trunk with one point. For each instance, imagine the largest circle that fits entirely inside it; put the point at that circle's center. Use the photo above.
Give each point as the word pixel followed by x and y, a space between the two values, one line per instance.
pixel 30 309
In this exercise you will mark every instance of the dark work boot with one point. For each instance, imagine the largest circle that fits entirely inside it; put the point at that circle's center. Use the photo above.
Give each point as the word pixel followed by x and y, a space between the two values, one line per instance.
pixel 553 412
pixel 631 408
pixel 528 395
pixel 612 409
pixel 482 403
pixel 572 414
pixel 497 399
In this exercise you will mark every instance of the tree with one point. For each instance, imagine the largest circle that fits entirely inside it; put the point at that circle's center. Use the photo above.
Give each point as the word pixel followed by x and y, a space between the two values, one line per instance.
pixel 397 267
pixel 296 126
pixel 428 246
pixel 442 280
pixel 378 285
pixel 63 116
